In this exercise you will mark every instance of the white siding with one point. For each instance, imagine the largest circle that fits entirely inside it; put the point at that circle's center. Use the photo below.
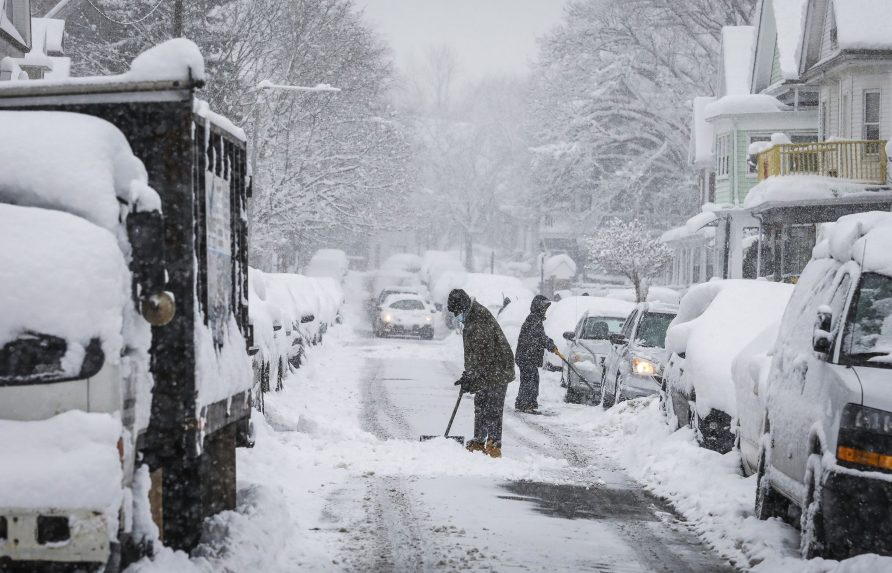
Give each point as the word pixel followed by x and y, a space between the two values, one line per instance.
pixel 862 83
pixel 830 94
pixel 829 20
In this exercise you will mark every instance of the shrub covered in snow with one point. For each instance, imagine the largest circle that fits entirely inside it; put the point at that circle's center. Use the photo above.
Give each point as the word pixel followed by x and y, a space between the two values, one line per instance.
pixel 627 249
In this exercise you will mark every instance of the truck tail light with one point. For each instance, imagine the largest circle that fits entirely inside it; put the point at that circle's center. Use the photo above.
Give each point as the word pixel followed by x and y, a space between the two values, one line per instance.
pixel 865 438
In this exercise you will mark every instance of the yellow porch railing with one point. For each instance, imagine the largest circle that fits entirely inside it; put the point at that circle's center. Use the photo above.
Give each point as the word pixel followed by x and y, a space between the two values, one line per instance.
pixel 862 161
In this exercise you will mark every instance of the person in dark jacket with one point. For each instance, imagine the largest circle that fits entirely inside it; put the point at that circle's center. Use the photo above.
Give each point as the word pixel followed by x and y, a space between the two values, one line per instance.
pixel 489 368
pixel 531 346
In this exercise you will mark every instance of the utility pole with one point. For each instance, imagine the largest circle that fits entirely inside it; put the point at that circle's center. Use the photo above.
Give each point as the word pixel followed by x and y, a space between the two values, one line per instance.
pixel 178 18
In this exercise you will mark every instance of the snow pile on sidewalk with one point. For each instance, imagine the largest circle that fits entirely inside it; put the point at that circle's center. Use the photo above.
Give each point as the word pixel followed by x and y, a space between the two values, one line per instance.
pixel 708 490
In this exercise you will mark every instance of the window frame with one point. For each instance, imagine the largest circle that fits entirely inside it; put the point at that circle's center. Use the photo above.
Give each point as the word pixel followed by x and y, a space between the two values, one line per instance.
pixel 723 156
pixel 879 107
pixel 752 170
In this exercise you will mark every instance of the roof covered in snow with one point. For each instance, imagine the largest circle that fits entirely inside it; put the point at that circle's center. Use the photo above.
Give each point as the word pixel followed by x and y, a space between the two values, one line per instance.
pixel 700 153
pixel 745 104
pixel 789 17
pixel 561 267
pixel 695 226
pixel 71 162
pixel 737 53
pixel 809 188
pixel 863 24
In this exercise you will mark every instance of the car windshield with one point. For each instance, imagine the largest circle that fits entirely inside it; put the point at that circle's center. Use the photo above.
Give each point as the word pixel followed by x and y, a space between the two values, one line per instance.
pixel 592 330
pixel 38 359
pixel 407 305
pixel 870 328
pixel 652 329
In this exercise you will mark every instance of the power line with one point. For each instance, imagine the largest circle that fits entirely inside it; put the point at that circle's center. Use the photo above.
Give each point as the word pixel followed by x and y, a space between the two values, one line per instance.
pixel 137 21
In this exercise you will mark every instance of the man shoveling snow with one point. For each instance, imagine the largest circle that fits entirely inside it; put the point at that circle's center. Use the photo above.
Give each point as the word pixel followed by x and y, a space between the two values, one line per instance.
pixel 531 346
pixel 489 368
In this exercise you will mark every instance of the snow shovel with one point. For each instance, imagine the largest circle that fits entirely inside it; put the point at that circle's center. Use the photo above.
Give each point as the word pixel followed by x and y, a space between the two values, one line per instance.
pixel 577 372
pixel 459 439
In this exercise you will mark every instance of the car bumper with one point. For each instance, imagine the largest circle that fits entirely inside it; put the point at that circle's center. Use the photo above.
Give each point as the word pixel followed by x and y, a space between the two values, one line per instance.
pixel 592 377
pixel 415 329
pixel 635 386
pixel 856 511
pixel 88 540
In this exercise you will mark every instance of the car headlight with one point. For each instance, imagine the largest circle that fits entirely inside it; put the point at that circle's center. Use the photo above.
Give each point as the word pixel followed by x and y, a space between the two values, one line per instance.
pixel 387 318
pixel 427 318
pixel 643 367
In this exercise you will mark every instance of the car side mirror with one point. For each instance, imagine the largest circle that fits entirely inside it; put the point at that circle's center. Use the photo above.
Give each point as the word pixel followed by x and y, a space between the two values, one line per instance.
pixel 618 339
pixel 569 335
pixel 253 350
pixel 277 325
pixel 307 318
pixel 433 311
pixel 821 337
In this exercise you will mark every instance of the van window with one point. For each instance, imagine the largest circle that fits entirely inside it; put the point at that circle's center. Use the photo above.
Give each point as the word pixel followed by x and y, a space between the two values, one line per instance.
pixel 868 337
pixel 652 329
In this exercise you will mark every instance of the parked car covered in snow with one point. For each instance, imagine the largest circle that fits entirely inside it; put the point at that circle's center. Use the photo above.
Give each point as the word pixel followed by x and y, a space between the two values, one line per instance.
pixel 331 263
pixel 634 365
pixel 714 320
pixel 587 344
pixel 827 448
pixel 405 314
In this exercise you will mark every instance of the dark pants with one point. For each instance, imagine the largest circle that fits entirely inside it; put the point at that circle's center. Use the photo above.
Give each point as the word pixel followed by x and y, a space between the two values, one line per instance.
pixel 528 394
pixel 489 404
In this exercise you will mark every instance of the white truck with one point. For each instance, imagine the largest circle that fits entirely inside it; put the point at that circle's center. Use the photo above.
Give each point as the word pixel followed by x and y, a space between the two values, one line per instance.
pixel 125 383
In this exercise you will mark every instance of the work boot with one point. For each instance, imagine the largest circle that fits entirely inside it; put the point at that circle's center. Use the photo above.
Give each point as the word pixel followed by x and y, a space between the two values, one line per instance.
pixel 493 449
pixel 475 446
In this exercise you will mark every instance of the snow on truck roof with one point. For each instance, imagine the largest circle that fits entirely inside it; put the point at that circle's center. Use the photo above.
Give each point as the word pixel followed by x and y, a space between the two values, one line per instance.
pixel 52 284
pixel 71 162
pixel 863 238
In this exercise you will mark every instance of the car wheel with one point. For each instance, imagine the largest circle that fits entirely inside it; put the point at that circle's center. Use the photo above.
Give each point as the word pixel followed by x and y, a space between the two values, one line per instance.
pixel 280 376
pixel 740 467
pixel 769 503
pixel 813 542
pixel 664 408
pixel 618 390
pixel 607 396
pixel 264 377
pixel 572 396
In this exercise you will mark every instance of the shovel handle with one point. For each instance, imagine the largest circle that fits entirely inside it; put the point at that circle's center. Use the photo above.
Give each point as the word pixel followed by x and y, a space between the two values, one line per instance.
pixel 454 410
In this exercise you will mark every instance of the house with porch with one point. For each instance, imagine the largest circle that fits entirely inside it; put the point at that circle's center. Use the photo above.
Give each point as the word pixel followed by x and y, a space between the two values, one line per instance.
pixel 747 110
pixel 845 57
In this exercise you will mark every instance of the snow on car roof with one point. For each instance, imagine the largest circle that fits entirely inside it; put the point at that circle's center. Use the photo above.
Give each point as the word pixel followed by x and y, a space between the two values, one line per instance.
pixel 73 289
pixel 71 162
pixel 661 307
pixel 862 237
pixel 714 321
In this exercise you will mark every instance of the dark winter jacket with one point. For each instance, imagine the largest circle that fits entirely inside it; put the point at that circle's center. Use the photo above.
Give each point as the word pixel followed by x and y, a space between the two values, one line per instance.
pixel 488 357
pixel 533 341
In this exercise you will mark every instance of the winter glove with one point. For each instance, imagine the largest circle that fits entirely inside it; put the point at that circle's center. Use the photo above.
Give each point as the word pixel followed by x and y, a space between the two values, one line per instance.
pixel 467 383
pixel 551 346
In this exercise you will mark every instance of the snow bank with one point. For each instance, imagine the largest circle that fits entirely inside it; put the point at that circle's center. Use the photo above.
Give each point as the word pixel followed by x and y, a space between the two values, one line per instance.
pixel 714 320
pixel 68 461
pixel 798 188
pixel 61 276
pixel 435 263
pixel 176 59
pixel 71 162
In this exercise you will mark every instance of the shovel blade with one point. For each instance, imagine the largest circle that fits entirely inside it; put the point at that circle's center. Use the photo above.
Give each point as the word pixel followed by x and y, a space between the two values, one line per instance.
pixel 459 439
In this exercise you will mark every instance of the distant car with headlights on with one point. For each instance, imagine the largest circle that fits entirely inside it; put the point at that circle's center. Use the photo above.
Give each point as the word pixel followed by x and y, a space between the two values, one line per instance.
pixel 634 365
pixel 406 315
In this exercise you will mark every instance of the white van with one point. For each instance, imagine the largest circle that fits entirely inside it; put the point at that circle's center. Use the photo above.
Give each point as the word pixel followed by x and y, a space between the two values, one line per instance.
pixel 826 447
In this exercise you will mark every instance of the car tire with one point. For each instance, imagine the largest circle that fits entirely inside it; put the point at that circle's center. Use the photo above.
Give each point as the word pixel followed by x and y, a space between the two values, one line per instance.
pixel 663 398
pixel 618 390
pixel 813 540
pixel 769 503
pixel 606 397
pixel 428 334
pixel 573 396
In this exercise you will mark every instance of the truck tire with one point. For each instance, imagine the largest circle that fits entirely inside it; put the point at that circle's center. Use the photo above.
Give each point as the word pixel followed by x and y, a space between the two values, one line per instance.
pixel 813 540
pixel 607 398
pixel 769 503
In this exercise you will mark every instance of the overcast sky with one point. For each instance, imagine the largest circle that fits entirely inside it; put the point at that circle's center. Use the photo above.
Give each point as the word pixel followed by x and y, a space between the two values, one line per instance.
pixel 488 36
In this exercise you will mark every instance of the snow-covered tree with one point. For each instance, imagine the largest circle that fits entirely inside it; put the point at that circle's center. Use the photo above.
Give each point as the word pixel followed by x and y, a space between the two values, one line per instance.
pixel 610 104
pixel 626 248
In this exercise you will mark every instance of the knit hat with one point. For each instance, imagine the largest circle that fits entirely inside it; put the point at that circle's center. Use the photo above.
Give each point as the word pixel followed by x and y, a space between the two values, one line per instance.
pixel 458 302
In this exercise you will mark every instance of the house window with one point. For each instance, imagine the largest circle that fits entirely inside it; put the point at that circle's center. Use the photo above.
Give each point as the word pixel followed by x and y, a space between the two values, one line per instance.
pixel 723 155
pixel 871 115
pixel 752 164
pixel 549 220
